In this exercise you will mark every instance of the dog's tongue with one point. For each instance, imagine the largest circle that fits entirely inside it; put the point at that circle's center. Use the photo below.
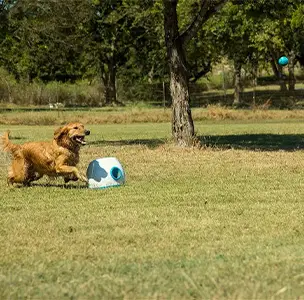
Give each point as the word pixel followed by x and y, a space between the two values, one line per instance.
pixel 81 140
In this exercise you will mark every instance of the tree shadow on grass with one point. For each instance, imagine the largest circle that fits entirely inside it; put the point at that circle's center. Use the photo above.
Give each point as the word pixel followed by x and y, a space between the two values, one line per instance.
pixel 150 143
pixel 257 142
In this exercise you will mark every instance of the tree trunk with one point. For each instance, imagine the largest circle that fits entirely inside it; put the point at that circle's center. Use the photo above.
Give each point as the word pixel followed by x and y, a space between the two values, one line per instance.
pixel 109 82
pixel 291 76
pixel 237 83
pixel 254 81
pixel 109 87
pixel 277 71
pixel 182 122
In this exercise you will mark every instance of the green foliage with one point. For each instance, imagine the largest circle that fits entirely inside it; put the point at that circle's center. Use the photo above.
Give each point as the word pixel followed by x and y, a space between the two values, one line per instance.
pixel 297 21
pixel 71 40
pixel 41 41
pixel 146 57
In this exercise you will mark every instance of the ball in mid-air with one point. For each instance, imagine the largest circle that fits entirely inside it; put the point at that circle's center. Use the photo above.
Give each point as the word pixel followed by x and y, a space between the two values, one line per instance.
pixel 283 61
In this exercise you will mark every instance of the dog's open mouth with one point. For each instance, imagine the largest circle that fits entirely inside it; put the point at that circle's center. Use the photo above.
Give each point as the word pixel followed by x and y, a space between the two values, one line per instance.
pixel 79 139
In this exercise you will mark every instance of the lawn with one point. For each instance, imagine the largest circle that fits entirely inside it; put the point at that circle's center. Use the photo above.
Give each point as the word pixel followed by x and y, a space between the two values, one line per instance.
pixel 224 221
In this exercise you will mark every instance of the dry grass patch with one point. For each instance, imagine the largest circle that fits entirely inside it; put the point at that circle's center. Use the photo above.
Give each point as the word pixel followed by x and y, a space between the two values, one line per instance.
pixel 220 113
pixel 130 115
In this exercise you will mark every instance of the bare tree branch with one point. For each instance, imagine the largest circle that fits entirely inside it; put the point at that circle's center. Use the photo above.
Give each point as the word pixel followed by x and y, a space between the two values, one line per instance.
pixel 201 73
pixel 208 8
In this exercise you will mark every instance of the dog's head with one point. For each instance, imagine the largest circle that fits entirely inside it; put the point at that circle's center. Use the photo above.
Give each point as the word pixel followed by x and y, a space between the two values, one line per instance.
pixel 72 134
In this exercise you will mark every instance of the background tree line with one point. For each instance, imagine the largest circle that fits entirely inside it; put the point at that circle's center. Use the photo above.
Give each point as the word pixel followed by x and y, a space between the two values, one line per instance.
pixel 149 42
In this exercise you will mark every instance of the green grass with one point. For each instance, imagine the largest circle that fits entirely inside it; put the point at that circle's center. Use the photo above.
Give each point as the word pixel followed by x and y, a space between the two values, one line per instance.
pixel 225 221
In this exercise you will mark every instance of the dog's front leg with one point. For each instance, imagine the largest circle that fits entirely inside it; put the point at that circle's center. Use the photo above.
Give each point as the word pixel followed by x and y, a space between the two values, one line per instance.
pixel 69 178
pixel 68 171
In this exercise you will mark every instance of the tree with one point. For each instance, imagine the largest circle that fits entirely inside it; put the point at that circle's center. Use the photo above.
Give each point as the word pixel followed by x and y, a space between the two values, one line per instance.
pixel 279 37
pixel 68 40
pixel 4 20
pixel 232 31
pixel 107 44
pixel 297 26
pixel 43 40
pixel 121 40
pixel 146 56
pixel 176 41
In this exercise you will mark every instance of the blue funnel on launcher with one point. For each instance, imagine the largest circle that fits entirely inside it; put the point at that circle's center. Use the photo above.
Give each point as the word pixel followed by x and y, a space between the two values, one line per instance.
pixel 105 172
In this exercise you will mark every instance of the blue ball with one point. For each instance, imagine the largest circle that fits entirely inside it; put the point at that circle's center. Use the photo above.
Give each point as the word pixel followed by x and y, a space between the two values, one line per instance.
pixel 283 61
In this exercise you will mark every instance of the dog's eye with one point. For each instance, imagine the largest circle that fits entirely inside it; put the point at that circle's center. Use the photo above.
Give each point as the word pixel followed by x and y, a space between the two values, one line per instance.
pixel 75 127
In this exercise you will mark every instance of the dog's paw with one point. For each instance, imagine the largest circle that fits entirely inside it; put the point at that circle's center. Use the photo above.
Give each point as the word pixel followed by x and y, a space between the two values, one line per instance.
pixel 84 178
pixel 69 178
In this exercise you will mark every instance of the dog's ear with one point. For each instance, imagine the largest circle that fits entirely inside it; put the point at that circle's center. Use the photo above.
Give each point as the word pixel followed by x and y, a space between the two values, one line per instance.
pixel 59 132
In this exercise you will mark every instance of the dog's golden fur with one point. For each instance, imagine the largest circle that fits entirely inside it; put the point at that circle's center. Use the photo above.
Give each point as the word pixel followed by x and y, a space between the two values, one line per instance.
pixel 32 160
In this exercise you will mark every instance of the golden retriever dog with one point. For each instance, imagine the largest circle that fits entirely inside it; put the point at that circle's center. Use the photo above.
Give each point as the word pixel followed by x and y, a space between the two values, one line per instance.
pixel 32 160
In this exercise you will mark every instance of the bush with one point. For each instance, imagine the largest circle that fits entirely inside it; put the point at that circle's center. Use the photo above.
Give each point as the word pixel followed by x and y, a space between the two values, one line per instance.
pixel 80 93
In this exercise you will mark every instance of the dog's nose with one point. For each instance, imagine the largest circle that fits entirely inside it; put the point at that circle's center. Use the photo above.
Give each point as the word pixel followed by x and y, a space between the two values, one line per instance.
pixel 87 132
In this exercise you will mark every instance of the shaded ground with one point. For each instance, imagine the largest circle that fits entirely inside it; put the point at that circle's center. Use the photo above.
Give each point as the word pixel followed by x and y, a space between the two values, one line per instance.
pixel 151 143
pixel 258 142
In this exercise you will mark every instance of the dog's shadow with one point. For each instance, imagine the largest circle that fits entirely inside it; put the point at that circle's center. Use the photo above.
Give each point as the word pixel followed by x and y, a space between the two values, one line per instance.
pixel 59 185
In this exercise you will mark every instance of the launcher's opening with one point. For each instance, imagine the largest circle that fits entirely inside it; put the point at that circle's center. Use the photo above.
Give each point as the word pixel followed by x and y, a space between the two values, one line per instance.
pixel 116 173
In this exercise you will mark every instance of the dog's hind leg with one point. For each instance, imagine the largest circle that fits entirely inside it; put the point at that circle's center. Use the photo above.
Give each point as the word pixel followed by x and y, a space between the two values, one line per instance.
pixel 17 171
pixel 31 174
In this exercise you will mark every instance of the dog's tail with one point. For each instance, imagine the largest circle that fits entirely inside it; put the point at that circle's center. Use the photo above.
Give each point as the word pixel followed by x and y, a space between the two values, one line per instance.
pixel 7 145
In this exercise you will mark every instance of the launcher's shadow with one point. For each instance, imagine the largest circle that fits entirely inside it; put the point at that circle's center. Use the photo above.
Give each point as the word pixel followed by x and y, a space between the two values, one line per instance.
pixel 258 142
pixel 151 143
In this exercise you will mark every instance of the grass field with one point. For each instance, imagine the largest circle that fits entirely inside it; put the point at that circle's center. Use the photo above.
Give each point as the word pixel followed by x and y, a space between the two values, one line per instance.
pixel 224 221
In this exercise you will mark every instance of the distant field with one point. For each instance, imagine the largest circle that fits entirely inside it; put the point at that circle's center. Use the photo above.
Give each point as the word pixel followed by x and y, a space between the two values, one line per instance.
pixel 225 221
pixel 126 115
